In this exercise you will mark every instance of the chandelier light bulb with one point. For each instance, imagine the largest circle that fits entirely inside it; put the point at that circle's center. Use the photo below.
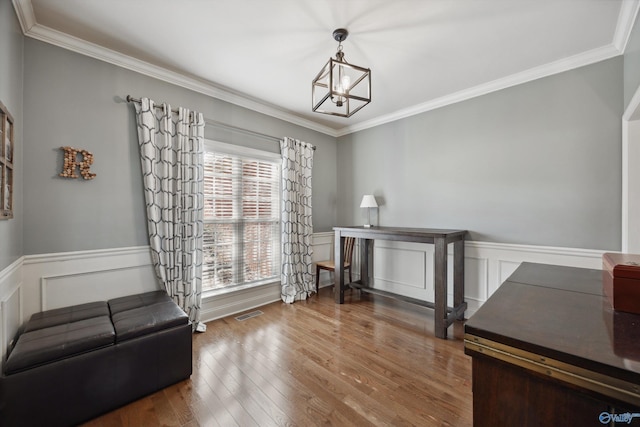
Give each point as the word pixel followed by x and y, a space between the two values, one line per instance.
pixel 346 83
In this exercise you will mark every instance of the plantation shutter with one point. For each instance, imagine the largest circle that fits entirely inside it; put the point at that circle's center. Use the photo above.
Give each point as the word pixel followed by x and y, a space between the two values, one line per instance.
pixel 242 218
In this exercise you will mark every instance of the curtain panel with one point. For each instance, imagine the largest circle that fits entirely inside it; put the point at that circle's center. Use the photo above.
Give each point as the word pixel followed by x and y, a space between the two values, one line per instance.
pixel 297 226
pixel 171 153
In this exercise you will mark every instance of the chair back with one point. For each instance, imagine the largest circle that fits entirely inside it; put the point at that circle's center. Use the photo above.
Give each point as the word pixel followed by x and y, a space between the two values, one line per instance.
pixel 349 243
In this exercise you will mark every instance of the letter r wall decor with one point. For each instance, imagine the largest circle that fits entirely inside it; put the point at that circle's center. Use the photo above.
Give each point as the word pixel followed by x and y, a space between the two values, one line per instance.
pixel 71 163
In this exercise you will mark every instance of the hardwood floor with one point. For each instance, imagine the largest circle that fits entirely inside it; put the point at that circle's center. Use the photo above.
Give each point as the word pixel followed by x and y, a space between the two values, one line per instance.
pixel 372 361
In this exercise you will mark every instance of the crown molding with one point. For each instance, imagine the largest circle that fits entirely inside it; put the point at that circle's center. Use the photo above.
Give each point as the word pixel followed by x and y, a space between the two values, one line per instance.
pixel 30 28
pixel 26 17
pixel 566 64
pixel 626 19
pixel 624 26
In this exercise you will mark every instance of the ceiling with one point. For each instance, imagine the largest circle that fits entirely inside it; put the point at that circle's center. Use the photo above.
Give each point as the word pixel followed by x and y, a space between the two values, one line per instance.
pixel 263 54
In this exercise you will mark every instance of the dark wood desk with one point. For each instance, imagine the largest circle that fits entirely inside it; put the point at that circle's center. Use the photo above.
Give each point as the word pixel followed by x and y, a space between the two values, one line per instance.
pixel 444 316
pixel 548 349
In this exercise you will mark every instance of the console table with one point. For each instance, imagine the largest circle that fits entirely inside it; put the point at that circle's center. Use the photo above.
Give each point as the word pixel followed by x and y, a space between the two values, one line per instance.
pixel 444 316
pixel 548 349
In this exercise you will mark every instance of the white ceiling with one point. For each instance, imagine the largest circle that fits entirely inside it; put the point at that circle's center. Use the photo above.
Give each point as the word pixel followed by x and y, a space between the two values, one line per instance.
pixel 263 54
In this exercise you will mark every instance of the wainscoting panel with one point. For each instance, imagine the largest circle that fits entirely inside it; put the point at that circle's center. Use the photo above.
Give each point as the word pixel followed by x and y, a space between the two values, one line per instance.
pixel 476 272
pixel 322 246
pixel 11 304
pixel 11 317
pixel 37 282
pixel 58 280
pixel 487 266
pixel 505 269
pixel 503 259
pixel 403 268
pixel 62 290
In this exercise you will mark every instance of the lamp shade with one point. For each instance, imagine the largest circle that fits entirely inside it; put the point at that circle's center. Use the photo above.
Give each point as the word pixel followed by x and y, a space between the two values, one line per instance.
pixel 368 201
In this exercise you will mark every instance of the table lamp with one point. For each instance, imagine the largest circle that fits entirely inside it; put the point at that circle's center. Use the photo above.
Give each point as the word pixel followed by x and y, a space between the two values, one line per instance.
pixel 368 201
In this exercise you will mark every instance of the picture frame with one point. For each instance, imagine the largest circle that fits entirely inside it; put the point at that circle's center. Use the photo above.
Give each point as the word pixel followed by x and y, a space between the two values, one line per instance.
pixel 7 152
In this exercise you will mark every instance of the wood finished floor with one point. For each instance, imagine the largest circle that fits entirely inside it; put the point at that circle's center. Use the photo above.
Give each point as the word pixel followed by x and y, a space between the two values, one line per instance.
pixel 372 361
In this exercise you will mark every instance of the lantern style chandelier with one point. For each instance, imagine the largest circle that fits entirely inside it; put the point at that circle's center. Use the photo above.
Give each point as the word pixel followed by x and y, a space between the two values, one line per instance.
pixel 340 89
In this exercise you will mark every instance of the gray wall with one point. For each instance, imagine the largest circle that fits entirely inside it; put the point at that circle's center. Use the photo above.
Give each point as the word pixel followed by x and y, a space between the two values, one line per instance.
pixel 539 163
pixel 536 164
pixel 11 52
pixel 632 64
pixel 73 100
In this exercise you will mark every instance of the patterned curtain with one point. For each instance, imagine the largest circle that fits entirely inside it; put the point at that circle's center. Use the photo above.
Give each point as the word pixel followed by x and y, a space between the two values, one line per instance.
pixel 297 227
pixel 171 152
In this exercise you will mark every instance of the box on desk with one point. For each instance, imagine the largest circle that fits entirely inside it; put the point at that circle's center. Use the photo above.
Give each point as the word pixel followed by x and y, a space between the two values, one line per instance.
pixel 621 281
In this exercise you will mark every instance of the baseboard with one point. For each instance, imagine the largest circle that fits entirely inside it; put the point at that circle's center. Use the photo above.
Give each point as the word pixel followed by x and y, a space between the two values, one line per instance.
pixel 219 306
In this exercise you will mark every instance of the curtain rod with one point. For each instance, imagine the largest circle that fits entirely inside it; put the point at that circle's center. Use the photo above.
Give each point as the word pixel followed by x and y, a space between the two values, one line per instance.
pixel 224 126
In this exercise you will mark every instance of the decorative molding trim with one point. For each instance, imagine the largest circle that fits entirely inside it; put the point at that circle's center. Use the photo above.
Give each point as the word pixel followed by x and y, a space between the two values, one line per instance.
pixel 483 280
pixel 562 65
pixel 83 47
pixel 626 19
pixel 6 273
pixel 323 235
pixel 44 280
pixel 90 275
pixel 24 12
pixel 5 334
pixel 88 254
pixel 503 258
pixel 30 28
pixel 324 240
pixel 547 250
pixel 505 268
pixel 488 264
pixel 10 290
pixel 416 256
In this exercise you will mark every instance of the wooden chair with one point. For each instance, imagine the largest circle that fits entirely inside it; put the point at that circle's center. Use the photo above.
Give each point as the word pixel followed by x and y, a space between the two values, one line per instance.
pixel 330 264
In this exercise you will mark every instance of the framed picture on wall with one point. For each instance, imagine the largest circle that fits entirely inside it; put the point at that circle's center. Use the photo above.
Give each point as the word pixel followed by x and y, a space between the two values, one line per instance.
pixel 6 163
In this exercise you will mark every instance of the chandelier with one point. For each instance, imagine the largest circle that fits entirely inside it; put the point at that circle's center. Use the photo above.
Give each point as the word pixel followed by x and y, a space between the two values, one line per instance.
pixel 340 89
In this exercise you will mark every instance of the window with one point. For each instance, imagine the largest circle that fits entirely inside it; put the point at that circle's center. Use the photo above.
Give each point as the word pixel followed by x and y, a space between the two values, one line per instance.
pixel 241 216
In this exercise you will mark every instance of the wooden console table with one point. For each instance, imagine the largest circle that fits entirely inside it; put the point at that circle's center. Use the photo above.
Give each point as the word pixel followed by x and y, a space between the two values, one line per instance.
pixel 444 316
pixel 548 349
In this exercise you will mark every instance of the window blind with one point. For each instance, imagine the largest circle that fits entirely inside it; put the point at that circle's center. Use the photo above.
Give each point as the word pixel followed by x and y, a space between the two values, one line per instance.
pixel 242 220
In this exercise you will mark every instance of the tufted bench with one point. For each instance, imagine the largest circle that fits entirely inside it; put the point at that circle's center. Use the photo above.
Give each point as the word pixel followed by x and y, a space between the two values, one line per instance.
pixel 71 364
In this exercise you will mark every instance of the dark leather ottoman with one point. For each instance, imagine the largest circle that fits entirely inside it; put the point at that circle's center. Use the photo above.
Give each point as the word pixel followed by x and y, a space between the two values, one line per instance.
pixel 74 363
